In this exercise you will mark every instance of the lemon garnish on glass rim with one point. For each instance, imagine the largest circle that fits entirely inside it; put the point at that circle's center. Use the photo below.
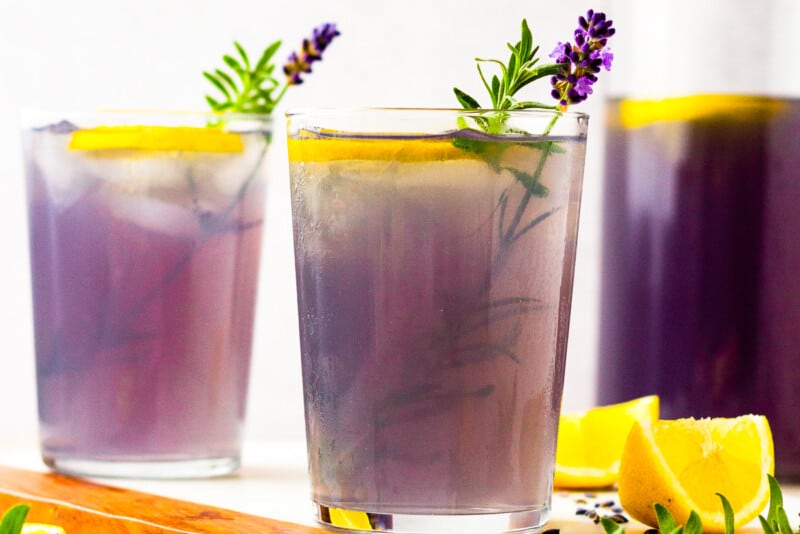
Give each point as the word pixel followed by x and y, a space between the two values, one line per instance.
pixel 323 150
pixel 156 138
pixel 684 463
pixel 637 113
pixel 590 443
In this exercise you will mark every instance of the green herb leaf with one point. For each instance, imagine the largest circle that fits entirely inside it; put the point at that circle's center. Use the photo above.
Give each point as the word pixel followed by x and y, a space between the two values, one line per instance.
pixel 13 519
pixel 775 501
pixel 765 526
pixel 693 525
pixel 218 84
pixel 666 523
pixel 266 55
pixel 611 526
pixel 518 72
pixel 466 101
pixel 243 55
pixel 253 92
pixel 728 511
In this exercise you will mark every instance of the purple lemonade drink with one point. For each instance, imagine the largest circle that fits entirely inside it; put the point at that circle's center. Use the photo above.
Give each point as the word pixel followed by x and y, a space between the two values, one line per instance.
pixel 434 276
pixel 701 295
pixel 144 254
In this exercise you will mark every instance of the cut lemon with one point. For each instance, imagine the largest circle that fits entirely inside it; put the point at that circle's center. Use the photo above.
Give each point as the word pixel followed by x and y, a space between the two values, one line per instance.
pixel 397 150
pixel 590 443
pixel 156 138
pixel 349 519
pixel 41 528
pixel 682 464
pixel 636 113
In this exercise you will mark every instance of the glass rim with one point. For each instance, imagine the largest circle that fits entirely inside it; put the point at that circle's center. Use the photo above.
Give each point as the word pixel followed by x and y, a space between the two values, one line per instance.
pixel 334 111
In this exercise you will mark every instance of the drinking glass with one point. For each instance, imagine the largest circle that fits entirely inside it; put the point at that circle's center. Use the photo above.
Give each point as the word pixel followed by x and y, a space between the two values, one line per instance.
pixel 145 232
pixel 434 266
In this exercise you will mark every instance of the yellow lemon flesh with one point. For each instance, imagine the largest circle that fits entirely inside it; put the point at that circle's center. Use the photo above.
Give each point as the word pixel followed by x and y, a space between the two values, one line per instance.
pixel 590 443
pixel 41 528
pixel 388 149
pixel 683 463
pixel 636 113
pixel 155 138
pixel 349 519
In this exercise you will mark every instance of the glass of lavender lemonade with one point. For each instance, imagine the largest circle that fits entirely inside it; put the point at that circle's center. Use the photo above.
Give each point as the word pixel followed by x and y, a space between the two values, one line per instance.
pixel 145 232
pixel 434 269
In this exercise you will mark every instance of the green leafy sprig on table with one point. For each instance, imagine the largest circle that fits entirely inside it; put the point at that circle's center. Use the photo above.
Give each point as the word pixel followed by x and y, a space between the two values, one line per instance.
pixel 776 522
pixel 13 519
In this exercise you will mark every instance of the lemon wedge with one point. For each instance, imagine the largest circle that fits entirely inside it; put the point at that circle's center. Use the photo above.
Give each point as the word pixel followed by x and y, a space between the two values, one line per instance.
pixel 349 519
pixel 683 463
pixel 156 138
pixel 637 113
pixel 590 443
pixel 41 528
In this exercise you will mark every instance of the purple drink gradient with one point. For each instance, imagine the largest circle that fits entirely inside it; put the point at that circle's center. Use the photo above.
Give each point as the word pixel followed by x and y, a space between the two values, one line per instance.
pixel 144 270
pixel 433 347
pixel 700 288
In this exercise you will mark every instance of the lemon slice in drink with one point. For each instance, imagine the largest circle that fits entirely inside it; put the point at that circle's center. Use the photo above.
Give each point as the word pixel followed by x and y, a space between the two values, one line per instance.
pixel 683 464
pixel 636 113
pixel 155 138
pixel 330 149
pixel 590 443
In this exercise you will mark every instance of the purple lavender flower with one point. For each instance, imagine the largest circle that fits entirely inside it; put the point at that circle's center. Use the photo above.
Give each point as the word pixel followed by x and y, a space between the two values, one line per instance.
pixel 581 60
pixel 299 63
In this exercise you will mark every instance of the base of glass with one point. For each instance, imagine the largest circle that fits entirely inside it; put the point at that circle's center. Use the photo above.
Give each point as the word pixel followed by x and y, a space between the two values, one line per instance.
pixel 152 469
pixel 521 521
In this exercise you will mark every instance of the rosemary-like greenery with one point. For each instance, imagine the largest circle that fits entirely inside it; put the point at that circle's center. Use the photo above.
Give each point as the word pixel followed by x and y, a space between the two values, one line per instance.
pixel 776 522
pixel 256 85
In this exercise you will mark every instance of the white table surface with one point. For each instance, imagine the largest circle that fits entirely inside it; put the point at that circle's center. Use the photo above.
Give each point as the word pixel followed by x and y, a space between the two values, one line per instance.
pixel 273 482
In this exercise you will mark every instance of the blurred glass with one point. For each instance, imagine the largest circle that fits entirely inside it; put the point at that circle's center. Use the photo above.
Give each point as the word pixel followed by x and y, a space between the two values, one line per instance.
pixel 700 298
pixel 145 232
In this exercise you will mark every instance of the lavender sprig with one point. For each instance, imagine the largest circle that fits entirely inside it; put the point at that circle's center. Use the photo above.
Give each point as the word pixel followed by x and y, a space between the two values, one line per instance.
pixel 256 89
pixel 311 51
pixel 579 62
pixel 572 75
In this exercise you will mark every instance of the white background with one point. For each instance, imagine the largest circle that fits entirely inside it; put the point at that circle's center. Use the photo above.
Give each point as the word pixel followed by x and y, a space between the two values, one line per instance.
pixel 81 54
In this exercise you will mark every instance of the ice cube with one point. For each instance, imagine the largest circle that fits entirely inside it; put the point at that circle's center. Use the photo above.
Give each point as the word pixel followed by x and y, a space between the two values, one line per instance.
pixel 155 214
pixel 63 171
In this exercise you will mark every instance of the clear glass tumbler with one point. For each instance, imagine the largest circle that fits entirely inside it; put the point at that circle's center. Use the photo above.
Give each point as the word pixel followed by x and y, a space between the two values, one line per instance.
pixel 145 232
pixel 434 268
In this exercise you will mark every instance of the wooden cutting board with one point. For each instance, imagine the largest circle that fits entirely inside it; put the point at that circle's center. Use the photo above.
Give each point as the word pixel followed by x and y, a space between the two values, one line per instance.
pixel 80 506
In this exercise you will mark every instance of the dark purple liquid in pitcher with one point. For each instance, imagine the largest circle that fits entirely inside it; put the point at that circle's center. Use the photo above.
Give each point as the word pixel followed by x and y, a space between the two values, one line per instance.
pixel 701 267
